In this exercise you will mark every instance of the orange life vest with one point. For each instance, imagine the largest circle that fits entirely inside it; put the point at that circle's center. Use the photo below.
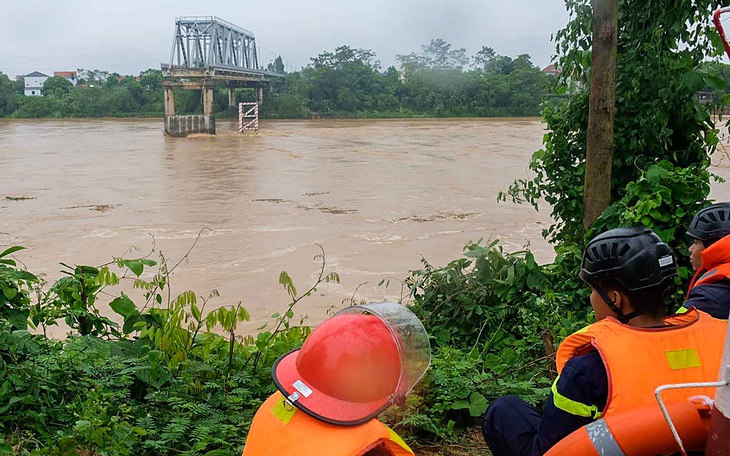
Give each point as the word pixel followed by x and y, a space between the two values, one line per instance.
pixel 281 429
pixel 638 360
pixel 715 264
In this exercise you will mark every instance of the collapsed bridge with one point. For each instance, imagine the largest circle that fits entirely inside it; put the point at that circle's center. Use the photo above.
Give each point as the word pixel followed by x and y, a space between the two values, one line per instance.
pixel 209 52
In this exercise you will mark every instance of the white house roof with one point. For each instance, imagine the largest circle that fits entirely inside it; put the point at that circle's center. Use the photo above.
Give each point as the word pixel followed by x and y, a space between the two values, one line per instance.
pixel 36 74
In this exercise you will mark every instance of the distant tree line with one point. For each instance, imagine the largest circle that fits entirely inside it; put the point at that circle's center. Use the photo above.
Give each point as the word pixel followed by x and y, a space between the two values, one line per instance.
pixel 348 82
pixel 440 81
pixel 98 94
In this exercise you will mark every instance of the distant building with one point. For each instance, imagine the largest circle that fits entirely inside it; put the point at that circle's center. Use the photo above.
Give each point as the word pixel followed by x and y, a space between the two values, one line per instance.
pixel 121 79
pixel 550 69
pixel 70 76
pixel 572 85
pixel 706 96
pixel 34 83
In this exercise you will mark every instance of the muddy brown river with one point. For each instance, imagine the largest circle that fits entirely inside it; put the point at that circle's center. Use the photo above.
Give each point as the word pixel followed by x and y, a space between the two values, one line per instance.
pixel 376 195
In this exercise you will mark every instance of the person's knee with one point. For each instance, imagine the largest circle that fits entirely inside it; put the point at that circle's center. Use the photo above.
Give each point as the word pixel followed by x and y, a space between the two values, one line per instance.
pixel 497 412
pixel 509 426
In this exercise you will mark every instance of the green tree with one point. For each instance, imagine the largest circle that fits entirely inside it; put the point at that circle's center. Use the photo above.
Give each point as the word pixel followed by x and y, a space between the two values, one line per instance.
pixel 121 101
pixel 438 55
pixel 277 66
pixel 34 107
pixel 57 86
pixel 151 79
pixel 658 120
pixel 346 80
pixel 135 89
pixel 484 58
pixel 112 80
pixel 8 96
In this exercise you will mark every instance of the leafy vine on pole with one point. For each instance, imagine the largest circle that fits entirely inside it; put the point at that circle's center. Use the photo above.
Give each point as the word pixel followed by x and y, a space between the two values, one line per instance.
pixel 661 128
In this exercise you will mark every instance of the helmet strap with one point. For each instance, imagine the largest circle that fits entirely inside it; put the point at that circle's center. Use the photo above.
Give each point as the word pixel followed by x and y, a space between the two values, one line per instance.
pixel 293 397
pixel 620 316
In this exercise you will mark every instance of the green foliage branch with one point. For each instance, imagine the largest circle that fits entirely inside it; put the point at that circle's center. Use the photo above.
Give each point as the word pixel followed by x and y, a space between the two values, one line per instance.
pixel 172 377
pixel 658 117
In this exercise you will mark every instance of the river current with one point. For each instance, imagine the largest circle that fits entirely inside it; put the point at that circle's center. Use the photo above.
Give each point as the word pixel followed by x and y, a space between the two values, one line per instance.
pixel 377 195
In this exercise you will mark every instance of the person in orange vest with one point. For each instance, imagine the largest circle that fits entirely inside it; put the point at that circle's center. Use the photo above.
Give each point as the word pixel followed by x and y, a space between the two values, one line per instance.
pixel 350 369
pixel 709 290
pixel 615 364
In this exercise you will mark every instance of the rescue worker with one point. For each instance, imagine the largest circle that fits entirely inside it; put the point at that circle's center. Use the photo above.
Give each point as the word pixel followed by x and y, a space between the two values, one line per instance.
pixel 350 369
pixel 709 290
pixel 615 364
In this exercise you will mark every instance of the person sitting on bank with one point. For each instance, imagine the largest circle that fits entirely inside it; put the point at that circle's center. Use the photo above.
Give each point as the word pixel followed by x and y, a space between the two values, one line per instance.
pixel 709 290
pixel 615 364
pixel 350 369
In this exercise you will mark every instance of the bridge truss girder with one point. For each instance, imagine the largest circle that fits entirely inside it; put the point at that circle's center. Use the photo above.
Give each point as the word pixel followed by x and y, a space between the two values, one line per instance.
pixel 207 41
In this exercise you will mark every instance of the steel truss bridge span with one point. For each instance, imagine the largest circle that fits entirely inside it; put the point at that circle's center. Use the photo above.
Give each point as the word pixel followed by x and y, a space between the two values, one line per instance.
pixel 209 41
pixel 208 46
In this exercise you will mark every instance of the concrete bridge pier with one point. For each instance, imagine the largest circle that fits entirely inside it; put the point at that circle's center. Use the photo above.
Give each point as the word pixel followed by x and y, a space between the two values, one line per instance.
pixel 169 102
pixel 232 97
pixel 232 105
pixel 181 126
pixel 207 100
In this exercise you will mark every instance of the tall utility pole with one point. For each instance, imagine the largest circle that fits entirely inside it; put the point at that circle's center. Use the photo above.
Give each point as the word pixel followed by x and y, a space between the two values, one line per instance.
pixel 602 107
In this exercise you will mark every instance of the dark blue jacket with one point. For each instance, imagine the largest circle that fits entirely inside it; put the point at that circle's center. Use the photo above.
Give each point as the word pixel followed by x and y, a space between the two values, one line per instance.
pixel 711 298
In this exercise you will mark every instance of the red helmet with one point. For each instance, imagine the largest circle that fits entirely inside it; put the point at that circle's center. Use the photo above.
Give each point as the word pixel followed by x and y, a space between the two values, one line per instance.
pixel 352 366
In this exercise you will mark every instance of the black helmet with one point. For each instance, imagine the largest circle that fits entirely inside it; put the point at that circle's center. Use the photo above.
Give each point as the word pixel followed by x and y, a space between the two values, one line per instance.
pixel 634 257
pixel 711 223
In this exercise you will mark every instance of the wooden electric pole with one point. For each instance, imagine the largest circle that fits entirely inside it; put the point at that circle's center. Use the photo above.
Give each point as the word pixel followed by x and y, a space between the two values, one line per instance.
pixel 602 106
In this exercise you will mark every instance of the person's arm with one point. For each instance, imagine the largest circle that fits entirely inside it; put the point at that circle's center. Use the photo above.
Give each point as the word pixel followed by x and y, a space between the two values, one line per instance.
pixel 578 397
pixel 713 299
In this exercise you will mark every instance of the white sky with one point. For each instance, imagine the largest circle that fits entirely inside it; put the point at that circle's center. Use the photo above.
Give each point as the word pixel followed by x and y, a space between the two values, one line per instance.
pixel 128 36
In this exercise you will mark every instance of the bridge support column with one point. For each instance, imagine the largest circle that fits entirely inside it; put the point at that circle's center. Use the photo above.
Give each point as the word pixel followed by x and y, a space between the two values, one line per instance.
pixel 232 106
pixel 169 102
pixel 208 101
pixel 181 126
pixel 260 96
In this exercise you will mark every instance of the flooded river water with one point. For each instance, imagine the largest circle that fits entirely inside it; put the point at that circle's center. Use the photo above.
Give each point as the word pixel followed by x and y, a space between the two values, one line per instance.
pixel 376 195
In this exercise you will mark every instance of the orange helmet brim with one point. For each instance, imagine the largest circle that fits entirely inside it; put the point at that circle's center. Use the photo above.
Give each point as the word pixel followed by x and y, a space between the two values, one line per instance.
pixel 318 404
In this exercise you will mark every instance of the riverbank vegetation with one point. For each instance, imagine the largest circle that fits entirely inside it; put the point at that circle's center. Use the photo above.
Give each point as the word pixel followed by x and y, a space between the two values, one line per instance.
pixel 347 82
pixel 174 377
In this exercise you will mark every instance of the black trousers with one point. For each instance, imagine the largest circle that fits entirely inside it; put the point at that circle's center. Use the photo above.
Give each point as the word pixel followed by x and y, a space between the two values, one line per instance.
pixel 509 427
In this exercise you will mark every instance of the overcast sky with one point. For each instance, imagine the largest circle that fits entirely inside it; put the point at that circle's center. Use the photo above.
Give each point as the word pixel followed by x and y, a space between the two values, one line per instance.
pixel 128 36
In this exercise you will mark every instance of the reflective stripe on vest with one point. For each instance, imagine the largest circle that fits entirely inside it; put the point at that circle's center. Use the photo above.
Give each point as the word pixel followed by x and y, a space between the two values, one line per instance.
pixel 573 407
pixel 638 360
pixel 602 439
pixel 279 429
pixel 714 275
